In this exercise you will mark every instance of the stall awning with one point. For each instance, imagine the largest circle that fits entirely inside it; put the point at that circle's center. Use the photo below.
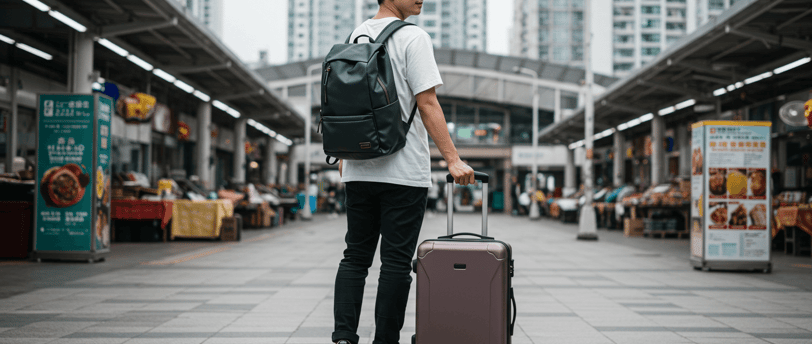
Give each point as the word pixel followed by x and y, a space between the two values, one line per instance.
pixel 742 57
pixel 160 34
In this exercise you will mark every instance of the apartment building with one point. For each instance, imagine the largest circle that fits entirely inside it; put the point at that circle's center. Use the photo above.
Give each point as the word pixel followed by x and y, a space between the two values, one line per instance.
pixel 209 12
pixel 315 25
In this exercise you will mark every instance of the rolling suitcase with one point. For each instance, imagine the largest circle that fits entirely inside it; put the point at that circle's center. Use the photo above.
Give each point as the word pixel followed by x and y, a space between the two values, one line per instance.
pixel 464 290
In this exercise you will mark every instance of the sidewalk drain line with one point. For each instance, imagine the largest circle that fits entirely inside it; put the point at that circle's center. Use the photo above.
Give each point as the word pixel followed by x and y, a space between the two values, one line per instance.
pixel 187 258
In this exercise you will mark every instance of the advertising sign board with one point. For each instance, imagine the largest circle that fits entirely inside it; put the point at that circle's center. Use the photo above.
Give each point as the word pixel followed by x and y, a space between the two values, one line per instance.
pixel 730 195
pixel 73 174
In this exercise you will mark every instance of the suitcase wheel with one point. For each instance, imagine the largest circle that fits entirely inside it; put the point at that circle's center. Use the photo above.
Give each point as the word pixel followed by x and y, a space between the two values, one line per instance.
pixel 414 269
pixel 413 336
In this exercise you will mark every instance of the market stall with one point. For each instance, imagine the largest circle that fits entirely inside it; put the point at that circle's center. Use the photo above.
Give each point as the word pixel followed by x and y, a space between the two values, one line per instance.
pixel 199 219
pixel 142 210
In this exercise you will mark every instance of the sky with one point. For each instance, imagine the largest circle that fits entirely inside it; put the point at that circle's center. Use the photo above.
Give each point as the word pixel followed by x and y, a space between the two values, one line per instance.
pixel 250 26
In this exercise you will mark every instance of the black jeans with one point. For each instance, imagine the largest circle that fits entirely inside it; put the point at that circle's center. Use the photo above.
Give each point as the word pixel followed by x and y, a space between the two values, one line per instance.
pixel 394 213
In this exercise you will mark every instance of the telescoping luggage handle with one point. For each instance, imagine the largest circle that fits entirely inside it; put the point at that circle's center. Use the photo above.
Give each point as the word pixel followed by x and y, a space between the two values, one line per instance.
pixel 483 177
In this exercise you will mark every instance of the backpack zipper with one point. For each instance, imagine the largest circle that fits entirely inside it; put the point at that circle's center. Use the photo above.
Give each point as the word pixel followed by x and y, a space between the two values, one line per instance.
pixel 385 91
pixel 324 88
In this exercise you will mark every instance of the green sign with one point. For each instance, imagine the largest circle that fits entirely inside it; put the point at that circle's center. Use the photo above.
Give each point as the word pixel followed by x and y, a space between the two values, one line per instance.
pixel 73 158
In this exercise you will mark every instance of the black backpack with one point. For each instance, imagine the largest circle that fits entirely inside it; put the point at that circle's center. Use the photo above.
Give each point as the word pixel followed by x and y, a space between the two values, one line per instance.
pixel 360 111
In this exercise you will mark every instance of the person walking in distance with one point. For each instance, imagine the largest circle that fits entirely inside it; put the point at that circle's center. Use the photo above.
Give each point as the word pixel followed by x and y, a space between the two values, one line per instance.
pixel 386 196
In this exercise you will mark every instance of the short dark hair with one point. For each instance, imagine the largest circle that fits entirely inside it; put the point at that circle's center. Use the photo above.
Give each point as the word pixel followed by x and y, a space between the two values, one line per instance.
pixel 380 2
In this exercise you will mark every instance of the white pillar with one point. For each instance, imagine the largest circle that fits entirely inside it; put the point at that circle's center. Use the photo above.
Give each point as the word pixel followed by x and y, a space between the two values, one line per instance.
pixel 657 150
pixel 690 16
pixel 203 146
pixel 620 159
pixel 269 165
pixel 569 172
pixel 587 226
pixel 557 105
pixel 80 63
pixel 239 150
pixel 12 136
pixel 684 142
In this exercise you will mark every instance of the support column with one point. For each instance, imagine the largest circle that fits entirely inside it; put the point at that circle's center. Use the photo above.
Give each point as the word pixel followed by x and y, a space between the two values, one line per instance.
pixel 684 142
pixel 239 150
pixel 12 136
pixel 293 167
pixel 569 173
pixel 80 64
pixel 269 165
pixel 620 159
pixel 657 150
pixel 507 186
pixel 557 106
pixel 203 147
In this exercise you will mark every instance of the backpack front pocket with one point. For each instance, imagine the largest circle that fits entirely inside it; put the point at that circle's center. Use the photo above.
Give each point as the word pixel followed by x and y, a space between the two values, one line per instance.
pixel 351 137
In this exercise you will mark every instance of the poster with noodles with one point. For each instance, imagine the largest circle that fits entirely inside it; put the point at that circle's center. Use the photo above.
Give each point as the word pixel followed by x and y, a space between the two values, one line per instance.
pixel 733 204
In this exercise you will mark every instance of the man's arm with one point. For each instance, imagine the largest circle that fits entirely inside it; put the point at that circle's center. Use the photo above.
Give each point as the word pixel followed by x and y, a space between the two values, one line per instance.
pixel 433 119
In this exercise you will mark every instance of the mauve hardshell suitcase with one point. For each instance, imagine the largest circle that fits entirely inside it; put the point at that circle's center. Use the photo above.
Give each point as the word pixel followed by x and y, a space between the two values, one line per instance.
pixel 464 290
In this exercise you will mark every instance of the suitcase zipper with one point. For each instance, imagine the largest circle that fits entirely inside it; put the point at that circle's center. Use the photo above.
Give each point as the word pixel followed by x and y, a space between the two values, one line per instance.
pixel 385 91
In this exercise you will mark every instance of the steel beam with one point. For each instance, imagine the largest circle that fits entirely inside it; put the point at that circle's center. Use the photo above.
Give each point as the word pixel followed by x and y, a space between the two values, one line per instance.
pixel 232 96
pixel 675 89
pixel 135 27
pixel 719 81
pixel 198 69
pixel 774 39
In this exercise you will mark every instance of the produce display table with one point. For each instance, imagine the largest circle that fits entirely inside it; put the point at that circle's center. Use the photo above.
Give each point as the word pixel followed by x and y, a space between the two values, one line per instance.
pixel 199 219
pixel 142 210
pixel 791 219
pixel 646 212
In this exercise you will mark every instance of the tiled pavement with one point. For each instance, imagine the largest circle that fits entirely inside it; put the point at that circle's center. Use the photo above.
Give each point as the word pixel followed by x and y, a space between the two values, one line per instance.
pixel 276 287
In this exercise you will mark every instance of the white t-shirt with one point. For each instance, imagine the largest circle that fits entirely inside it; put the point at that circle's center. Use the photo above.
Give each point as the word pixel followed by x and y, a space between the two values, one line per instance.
pixel 412 56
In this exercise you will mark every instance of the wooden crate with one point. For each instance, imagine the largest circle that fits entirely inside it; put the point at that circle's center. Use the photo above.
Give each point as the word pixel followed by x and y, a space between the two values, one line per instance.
pixel 231 228
pixel 633 227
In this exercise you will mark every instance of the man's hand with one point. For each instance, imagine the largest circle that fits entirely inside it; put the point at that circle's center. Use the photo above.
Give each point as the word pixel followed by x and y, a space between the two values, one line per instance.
pixel 462 173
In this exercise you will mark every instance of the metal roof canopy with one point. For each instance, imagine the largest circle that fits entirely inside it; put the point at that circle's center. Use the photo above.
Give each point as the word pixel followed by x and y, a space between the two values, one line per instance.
pixel 751 38
pixel 160 33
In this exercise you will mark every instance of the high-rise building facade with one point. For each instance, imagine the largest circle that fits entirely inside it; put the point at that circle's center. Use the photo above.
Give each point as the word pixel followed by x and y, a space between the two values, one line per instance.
pixel 315 25
pixel 641 29
pixel 552 30
pixel 209 12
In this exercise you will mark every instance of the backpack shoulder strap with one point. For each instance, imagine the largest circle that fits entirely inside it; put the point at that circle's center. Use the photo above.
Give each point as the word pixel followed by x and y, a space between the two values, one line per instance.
pixel 390 29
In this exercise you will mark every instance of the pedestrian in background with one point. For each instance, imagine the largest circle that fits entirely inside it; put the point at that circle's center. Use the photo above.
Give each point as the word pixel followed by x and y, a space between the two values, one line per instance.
pixel 386 196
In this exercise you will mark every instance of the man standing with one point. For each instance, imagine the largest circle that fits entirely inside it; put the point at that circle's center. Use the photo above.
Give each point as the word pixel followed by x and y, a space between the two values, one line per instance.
pixel 386 196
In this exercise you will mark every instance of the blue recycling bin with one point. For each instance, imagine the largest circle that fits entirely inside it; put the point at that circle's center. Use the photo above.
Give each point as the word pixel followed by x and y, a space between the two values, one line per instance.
pixel 300 198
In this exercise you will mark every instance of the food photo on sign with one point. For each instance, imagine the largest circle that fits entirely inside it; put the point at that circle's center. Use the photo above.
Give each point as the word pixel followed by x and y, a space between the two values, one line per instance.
pixel 136 108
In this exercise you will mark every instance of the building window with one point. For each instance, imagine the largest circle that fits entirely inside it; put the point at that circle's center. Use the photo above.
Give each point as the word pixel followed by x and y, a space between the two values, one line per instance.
pixel 544 18
pixel 671 39
pixel 560 35
pixel 650 23
pixel 544 35
pixel 544 4
pixel 675 26
pixel 622 25
pixel 430 7
pixel 578 3
pixel 650 9
pixel 623 11
pixel 716 5
pixel 624 53
pixel 651 37
pixel 577 53
pixel 676 13
pixel 622 39
pixel 430 23
pixel 561 54
pixel 650 51
pixel 561 18
pixel 544 52
pixel 560 3
pixel 578 18
pixel 622 66
pixel 577 36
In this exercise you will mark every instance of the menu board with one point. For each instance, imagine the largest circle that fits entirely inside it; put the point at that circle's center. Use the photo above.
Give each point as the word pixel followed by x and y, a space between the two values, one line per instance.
pixel 73 159
pixel 730 188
